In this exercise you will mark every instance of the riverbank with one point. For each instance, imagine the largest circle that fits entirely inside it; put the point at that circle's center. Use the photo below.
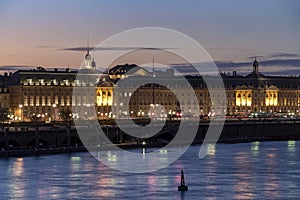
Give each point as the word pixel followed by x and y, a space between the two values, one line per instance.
pixel 125 146
pixel 33 140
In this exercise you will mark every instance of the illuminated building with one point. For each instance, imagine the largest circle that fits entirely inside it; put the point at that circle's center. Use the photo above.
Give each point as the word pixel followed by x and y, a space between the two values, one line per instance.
pixel 49 95
pixel 5 113
pixel 40 94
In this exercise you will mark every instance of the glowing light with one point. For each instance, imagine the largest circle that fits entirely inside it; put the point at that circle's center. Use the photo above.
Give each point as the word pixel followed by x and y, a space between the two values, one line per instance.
pixel 211 149
pixel 255 146
pixel 75 158
pixel 291 145
pixel 163 151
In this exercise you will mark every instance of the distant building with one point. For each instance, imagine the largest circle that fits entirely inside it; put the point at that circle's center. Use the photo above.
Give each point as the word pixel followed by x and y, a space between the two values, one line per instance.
pixel 41 94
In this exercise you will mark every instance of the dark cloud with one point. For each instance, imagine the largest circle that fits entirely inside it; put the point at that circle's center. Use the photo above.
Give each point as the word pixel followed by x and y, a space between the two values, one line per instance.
pixel 286 55
pixel 109 48
pixel 257 57
pixel 277 62
pixel 15 67
pixel 282 62
pixel 275 56
pixel 268 67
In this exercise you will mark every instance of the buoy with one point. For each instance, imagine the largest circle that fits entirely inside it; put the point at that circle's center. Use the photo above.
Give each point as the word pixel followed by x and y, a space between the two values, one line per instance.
pixel 182 186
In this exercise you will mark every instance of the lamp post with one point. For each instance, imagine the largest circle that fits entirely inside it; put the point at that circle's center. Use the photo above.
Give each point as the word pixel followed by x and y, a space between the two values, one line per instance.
pixel 54 114
pixel 21 112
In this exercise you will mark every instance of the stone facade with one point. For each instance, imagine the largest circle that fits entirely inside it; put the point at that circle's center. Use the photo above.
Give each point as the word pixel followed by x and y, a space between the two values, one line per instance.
pixel 45 95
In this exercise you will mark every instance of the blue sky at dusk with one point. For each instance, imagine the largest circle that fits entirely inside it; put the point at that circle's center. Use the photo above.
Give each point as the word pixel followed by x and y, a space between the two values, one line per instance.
pixel 39 32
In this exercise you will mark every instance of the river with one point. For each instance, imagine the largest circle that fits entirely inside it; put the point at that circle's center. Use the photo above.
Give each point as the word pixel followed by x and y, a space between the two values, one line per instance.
pixel 257 170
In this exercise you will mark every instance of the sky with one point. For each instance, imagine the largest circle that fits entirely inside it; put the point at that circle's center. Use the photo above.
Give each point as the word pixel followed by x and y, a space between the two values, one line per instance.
pixel 53 34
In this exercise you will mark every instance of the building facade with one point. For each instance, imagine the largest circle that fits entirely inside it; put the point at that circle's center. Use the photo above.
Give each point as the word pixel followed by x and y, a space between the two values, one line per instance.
pixel 44 95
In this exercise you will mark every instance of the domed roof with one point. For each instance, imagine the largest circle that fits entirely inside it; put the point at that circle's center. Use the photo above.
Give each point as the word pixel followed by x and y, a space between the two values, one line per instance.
pixel 88 57
pixel 93 64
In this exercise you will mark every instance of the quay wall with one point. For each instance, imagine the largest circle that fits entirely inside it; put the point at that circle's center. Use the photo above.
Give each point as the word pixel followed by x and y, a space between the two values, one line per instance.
pixel 65 139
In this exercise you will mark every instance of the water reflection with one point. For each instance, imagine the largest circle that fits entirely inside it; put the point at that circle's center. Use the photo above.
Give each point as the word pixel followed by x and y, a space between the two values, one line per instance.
pixel 272 170
pixel 255 148
pixel 266 170
pixel 211 149
pixel 16 184
pixel 106 186
pixel 291 146
pixel 244 181
pixel 210 172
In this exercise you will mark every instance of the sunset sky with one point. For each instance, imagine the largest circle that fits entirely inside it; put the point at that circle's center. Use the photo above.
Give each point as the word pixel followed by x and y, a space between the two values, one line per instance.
pixel 43 33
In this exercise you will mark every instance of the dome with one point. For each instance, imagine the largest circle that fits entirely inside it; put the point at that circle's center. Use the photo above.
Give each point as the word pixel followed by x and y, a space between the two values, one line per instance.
pixel 88 57
pixel 93 64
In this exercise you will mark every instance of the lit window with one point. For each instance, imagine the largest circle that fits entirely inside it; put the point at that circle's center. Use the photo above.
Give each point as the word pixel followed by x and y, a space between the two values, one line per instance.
pixel 56 99
pixel 41 81
pixel 43 101
pixel 48 101
pixel 68 101
pixel 25 100
pixel 73 101
pixel 62 101
pixel 31 101
pixel 37 101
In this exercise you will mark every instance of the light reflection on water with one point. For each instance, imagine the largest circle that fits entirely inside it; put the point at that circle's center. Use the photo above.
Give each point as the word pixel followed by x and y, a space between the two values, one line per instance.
pixel 258 170
pixel 16 184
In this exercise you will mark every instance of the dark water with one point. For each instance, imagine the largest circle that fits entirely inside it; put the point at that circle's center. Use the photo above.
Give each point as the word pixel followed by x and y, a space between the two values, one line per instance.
pixel 266 170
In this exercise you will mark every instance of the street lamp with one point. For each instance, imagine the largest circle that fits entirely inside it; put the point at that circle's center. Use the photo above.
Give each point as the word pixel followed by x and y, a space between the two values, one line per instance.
pixel 55 113
pixel 21 112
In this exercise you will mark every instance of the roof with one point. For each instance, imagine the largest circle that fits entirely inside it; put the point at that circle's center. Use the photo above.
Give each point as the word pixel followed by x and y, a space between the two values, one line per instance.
pixel 127 69
pixel 105 81
pixel 21 76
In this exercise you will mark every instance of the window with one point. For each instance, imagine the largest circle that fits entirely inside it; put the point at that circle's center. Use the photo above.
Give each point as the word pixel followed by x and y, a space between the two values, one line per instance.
pixel 37 101
pixel 41 82
pixel 43 101
pixel 31 101
pixel 56 99
pixel 68 101
pixel 48 101
pixel 73 101
pixel 62 100
pixel 78 100
pixel 25 101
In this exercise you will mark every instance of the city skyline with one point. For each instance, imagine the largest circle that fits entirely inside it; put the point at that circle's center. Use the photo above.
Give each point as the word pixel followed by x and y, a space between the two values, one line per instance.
pixel 233 33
